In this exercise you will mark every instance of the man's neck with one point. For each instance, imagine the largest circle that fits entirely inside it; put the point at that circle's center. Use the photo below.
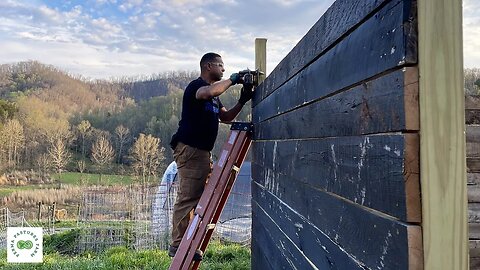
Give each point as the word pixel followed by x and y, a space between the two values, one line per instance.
pixel 206 78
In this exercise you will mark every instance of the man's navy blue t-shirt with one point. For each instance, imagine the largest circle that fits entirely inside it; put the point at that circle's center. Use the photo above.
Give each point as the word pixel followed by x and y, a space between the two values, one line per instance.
pixel 199 124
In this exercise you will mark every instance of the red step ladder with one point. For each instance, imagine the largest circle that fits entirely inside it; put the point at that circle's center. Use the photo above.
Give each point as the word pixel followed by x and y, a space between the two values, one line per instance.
pixel 214 197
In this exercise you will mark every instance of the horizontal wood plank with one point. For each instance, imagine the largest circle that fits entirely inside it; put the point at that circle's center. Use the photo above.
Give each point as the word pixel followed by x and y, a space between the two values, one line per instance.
pixel 343 165
pixel 280 252
pixel 473 133
pixel 472 116
pixel 321 251
pixel 474 246
pixel 474 263
pixel 474 212
pixel 337 21
pixel 474 231
pixel 473 192
pixel 472 102
pixel 392 28
pixel 385 104
pixel 473 178
pixel 259 260
pixel 473 165
pixel 473 149
pixel 391 242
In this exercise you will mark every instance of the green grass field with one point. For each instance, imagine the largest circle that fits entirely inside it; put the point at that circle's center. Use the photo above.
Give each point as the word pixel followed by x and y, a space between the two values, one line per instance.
pixel 74 178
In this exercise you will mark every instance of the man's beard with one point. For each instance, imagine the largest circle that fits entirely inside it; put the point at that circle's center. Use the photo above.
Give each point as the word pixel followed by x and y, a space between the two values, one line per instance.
pixel 218 77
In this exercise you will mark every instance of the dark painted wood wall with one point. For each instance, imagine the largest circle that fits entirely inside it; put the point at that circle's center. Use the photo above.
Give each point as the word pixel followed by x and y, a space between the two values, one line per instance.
pixel 336 146
pixel 472 115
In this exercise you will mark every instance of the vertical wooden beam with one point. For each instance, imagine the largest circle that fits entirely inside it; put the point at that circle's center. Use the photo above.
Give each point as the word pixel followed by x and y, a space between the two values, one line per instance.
pixel 261 57
pixel 442 139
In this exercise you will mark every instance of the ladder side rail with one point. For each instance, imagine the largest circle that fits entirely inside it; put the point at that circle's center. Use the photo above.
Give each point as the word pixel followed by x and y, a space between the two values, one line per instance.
pixel 213 181
pixel 208 211
pixel 226 194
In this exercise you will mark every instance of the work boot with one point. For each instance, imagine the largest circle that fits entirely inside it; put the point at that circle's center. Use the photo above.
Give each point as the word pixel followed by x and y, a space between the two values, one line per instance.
pixel 198 256
pixel 172 251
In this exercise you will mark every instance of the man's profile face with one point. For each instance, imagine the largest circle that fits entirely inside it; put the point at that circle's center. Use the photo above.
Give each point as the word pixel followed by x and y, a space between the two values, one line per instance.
pixel 216 69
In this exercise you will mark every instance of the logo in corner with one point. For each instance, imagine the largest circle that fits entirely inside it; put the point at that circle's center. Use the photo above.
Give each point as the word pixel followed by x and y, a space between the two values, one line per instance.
pixel 24 244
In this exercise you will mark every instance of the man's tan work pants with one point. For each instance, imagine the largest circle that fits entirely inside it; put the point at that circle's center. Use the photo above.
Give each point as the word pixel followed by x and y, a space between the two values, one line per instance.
pixel 193 167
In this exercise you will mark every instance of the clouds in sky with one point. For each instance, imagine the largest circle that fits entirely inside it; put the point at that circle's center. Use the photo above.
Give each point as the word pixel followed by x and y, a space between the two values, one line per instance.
pixel 105 38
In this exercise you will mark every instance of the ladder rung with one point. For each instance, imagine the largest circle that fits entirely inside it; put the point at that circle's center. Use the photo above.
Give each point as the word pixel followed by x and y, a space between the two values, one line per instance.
pixel 211 226
pixel 235 168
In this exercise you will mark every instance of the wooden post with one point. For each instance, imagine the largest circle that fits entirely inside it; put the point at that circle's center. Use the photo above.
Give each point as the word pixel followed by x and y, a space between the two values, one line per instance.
pixel 261 57
pixel 39 214
pixel 78 214
pixel 442 139
pixel 53 211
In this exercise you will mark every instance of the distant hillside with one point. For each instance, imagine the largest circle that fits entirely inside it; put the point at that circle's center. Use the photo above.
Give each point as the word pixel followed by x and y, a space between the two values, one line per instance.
pixel 33 80
pixel 157 85
pixel 53 85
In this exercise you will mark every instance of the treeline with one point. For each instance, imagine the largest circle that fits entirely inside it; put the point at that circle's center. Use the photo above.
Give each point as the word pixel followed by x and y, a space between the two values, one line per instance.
pixel 53 122
pixel 472 81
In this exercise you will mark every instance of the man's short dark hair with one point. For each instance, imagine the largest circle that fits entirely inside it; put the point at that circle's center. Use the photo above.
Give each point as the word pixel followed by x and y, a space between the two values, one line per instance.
pixel 208 57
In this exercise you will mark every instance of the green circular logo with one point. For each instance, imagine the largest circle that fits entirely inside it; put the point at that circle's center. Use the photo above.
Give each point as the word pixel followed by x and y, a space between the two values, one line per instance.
pixel 24 244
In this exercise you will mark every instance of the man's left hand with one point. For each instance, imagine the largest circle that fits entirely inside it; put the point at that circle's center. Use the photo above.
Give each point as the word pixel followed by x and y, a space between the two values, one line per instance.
pixel 245 95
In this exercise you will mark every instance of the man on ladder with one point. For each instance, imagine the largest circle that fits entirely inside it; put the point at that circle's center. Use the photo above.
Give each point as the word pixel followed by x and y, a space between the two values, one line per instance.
pixel 195 138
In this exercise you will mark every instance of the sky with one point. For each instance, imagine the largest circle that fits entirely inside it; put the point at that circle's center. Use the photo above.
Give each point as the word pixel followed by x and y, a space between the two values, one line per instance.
pixel 116 38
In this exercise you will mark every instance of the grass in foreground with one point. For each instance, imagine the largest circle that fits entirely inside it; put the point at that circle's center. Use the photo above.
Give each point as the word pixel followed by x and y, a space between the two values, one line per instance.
pixel 219 256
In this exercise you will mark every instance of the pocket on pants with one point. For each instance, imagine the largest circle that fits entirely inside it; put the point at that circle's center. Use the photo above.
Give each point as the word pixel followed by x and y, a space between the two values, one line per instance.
pixel 183 153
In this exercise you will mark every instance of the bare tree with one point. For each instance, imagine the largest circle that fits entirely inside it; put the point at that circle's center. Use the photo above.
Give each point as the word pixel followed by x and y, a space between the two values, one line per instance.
pixel 472 81
pixel 81 168
pixel 43 163
pixel 59 155
pixel 102 152
pixel 12 138
pixel 123 136
pixel 83 128
pixel 147 156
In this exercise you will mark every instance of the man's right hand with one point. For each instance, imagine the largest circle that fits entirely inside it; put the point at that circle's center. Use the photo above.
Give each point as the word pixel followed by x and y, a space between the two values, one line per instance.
pixel 235 78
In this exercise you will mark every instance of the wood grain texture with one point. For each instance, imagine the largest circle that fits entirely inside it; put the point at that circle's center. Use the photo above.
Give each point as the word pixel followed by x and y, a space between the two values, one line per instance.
pixel 278 249
pixel 473 165
pixel 472 117
pixel 474 212
pixel 338 21
pixel 473 150
pixel 343 165
pixel 385 104
pixel 473 134
pixel 474 246
pixel 473 178
pixel 283 223
pixel 259 260
pixel 390 242
pixel 339 68
pixel 442 144
pixel 261 57
pixel 474 231
pixel 473 192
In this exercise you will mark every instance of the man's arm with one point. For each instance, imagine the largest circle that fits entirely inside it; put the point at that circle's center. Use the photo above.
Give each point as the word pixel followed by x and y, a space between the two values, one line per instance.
pixel 213 90
pixel 216 89
pixel 228 116
pixel 245 95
